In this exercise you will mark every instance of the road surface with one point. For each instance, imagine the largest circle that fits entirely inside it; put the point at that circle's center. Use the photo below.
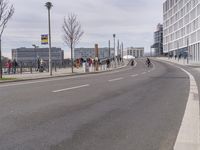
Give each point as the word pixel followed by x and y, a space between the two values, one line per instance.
pixel 135 108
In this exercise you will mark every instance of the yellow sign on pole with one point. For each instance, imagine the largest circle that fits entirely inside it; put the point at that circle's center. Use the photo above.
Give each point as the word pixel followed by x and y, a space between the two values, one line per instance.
pixel 44 39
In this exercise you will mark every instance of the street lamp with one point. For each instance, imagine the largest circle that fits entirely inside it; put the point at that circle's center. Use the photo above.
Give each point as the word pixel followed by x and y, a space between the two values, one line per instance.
pixel 109 48
pixel 49 6
pixel 35 59
pixel 114 36
pixel 122 52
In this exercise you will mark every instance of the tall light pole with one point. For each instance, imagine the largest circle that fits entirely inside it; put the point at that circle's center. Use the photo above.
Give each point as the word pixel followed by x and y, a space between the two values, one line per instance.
pixel 49 6
pixel 109 49
pixel 35 59
pixel 114 36
pixel 122 52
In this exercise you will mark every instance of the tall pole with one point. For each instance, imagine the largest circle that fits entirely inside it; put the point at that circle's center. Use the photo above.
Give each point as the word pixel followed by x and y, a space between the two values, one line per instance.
pixel 114 35
pixel 117 47
pixel 122 52
pixel 49 6
pixel 109 49
pixel 1 72
pixel 35 59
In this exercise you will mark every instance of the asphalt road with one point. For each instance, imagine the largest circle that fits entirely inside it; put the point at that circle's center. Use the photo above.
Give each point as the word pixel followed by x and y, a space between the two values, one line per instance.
pixel 136 108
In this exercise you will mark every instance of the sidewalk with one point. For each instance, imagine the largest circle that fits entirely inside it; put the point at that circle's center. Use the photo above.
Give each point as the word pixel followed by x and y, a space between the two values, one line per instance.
pixel 180 62
pixel 62 72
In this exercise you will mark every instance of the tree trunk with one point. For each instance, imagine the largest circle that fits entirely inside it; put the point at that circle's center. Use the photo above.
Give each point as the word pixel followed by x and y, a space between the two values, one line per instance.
pixel 0 62
pixel 72 59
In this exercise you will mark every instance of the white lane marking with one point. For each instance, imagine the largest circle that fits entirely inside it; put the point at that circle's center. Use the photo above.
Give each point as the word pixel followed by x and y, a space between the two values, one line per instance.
pixel 143 73
pixel 71 88
pixel 135 75
pixel 117 79
pixel 189 134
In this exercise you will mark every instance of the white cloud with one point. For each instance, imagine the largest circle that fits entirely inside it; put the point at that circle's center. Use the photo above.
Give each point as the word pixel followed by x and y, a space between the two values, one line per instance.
pixel 132 20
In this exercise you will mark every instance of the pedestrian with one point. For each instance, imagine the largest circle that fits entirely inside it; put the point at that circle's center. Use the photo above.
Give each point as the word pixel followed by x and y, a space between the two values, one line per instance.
pixel 132 62
pixel 14 65
pixel 108 63
pixel 38 64
pixel 9 66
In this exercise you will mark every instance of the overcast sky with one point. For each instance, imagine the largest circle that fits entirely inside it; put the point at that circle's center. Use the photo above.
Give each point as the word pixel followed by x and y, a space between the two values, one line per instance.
pixel 133 22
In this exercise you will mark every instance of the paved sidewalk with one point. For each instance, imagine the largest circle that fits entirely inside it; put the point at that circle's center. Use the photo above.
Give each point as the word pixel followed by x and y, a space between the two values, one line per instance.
pixel 180 62
pixel 62 72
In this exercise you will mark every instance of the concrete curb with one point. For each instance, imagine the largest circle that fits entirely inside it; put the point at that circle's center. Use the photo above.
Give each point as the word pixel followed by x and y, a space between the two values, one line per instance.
pixel 189 133
pixel 63 75
pixel 188 65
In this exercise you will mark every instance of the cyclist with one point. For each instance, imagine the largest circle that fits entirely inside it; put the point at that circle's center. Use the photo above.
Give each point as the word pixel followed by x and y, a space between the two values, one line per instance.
pixel 148 62
pixel 132 62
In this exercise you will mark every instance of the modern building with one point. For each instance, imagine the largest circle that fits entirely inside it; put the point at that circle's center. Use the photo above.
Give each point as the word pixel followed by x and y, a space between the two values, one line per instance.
pixel 31 55
pixel 90 53
pixel 181 29
pixel 158 41
pixel 137 52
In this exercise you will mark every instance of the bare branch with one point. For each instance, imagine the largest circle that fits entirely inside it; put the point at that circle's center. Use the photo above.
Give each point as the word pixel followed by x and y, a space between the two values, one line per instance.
pixel 72 30
pixel 6 12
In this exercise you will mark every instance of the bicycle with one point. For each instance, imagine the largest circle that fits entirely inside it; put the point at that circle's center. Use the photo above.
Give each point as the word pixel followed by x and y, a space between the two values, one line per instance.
pixel 149 64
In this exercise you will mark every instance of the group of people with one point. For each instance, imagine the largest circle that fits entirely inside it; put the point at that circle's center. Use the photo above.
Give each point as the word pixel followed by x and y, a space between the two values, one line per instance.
pixel 11 66
pixel 90 62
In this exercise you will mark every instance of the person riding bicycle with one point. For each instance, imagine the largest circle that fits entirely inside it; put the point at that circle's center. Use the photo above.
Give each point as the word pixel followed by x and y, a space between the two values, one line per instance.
pixel 132 62
pixel 148 62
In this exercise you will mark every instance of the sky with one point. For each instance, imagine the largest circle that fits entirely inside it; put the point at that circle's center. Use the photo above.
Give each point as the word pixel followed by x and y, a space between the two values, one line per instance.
pixel 133 22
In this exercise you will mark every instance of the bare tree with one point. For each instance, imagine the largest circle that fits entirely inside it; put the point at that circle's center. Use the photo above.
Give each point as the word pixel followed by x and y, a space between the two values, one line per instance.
pixel 6 12
pixel 72 34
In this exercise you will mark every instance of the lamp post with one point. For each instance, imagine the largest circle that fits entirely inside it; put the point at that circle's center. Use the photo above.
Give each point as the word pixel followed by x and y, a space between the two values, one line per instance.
pixel 114 36
pixel 49 6
pixel 35 47
pixel 122 52
pixel 109 49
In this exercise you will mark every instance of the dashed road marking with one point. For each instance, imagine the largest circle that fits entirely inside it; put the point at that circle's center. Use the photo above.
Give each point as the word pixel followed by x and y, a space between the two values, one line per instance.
pixel 143 73
pixel 117 79
pixel 134 75
pixel 71 88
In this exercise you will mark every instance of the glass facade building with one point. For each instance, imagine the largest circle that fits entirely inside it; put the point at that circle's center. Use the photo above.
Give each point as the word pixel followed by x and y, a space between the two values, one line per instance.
pixel 181 29
pixel 158 40
pixel 30 55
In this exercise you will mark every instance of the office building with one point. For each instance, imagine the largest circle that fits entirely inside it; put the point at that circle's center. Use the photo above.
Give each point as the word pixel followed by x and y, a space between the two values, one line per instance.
pixel 137 52
pixel 90 53
pixel 31 55
pixel 181 29
pixel 158 41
